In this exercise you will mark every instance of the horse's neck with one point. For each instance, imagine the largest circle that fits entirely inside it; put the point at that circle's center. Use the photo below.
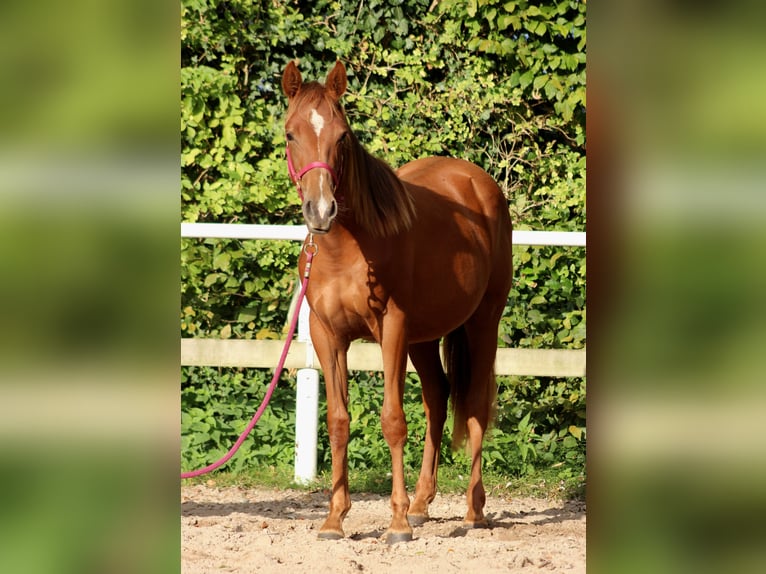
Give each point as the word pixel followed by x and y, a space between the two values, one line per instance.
pixel 347 240
pixel 343 235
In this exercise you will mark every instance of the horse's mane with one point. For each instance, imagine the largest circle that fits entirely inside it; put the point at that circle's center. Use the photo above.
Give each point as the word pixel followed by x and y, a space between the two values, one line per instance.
pixel 376 198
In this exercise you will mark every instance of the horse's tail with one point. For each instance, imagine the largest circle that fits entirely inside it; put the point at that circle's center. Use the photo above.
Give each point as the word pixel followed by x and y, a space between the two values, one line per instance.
pixel 457 360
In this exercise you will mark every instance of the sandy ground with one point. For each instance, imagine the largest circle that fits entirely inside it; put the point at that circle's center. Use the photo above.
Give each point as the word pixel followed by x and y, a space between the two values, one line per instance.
pixel 254 530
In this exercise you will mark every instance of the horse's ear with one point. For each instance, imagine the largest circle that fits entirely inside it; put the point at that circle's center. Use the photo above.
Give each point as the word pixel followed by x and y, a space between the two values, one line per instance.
pixel 291 80
pixel 336 81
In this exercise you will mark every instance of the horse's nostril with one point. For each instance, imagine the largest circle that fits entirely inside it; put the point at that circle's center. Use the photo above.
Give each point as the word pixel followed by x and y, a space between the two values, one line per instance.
pixel 333 209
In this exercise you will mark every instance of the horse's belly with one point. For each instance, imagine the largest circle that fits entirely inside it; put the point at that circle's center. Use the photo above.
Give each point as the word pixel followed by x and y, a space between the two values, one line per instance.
pixel 440 306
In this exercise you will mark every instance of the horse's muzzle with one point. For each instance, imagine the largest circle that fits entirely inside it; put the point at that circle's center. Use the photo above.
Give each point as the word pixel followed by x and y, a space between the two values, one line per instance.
pixel 319 215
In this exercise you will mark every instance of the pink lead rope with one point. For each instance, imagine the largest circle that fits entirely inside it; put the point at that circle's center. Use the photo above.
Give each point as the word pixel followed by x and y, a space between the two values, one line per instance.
pixel 310 249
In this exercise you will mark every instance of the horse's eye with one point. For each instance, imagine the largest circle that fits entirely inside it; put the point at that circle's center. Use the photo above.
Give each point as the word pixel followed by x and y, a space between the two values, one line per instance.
pixel 289 137
pixel 342 137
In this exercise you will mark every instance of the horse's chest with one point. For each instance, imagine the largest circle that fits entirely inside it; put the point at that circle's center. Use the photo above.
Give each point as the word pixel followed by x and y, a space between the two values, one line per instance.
pixel 352 304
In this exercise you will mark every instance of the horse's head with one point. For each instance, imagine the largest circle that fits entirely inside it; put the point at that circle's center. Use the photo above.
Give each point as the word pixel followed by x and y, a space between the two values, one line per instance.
pixel 315 128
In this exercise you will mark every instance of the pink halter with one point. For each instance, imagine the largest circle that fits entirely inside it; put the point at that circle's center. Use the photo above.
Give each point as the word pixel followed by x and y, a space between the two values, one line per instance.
pixel 296 177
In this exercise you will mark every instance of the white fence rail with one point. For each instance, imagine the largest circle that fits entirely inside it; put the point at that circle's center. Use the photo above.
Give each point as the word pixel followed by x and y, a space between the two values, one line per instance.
pixel 361 356
pixel 299 232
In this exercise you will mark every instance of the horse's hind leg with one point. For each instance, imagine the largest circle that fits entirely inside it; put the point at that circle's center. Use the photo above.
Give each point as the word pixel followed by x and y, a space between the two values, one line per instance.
pixel 435 390
pixel 481 330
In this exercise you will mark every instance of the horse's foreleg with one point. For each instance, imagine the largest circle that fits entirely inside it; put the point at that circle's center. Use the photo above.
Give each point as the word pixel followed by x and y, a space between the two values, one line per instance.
pixel 435 389
pixel 332 356
pixel 394 425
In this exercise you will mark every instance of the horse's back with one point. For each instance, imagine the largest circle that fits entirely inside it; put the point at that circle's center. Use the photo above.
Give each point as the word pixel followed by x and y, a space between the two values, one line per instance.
pixel 456 180
pixel 444 186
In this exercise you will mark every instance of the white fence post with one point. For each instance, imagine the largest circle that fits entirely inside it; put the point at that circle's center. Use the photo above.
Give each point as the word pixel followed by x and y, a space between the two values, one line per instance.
pixel 306 407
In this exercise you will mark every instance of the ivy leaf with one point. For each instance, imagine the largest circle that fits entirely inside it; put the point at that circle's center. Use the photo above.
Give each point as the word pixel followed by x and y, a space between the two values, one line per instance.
pixel 526 78
pixel 222 261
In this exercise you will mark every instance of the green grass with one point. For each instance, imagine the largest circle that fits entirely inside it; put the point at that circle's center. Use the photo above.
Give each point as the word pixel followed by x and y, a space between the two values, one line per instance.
pixel 548 483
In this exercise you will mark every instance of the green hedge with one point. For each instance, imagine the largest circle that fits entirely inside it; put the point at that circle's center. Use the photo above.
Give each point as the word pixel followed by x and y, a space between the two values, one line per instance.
pixel 499 83
pixel 538 425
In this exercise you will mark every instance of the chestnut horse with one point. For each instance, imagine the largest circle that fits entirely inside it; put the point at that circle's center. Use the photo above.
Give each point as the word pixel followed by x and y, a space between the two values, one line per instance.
pixel 402 258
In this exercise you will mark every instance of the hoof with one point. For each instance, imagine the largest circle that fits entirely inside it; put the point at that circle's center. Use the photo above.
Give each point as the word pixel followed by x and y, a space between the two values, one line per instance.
pixel 475 524
pixel 394 537
pixel 417 519
pixel 330 535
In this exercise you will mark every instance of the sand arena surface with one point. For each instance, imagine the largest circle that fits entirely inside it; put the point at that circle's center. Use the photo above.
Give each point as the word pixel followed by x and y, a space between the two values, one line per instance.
pixel 243 530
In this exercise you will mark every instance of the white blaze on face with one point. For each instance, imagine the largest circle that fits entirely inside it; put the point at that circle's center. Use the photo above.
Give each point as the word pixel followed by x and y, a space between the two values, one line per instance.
pixel 317 122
